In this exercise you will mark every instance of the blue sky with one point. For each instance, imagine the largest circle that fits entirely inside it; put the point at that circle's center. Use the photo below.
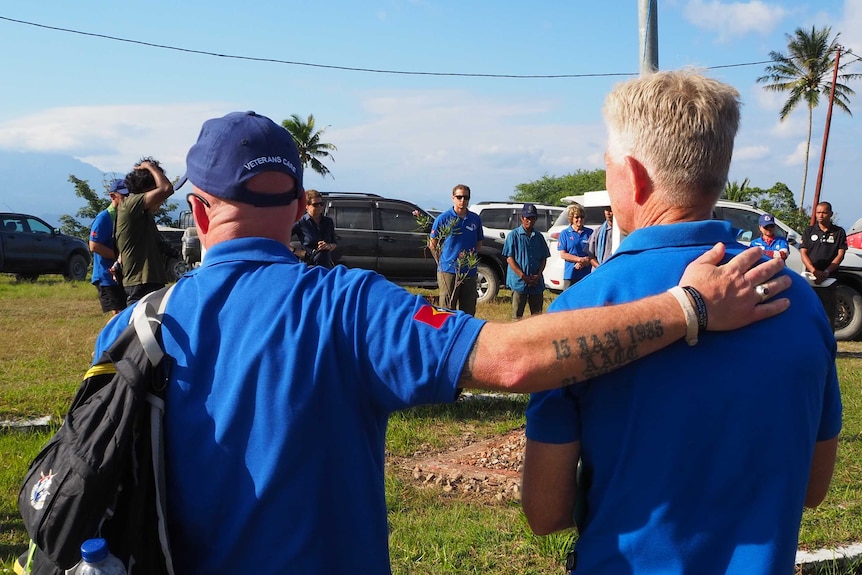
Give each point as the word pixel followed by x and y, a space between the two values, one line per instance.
pixel 107 103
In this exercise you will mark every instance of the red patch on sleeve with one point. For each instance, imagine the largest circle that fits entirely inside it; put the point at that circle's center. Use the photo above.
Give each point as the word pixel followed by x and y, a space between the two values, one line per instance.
pixel 432 316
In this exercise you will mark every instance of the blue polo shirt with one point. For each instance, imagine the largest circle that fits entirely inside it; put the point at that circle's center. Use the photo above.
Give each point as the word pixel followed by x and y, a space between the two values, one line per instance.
pixel 529 251
pixel 466 233
pixel 575 243
pixel 102 232
pixel 699 456
pixel 282 382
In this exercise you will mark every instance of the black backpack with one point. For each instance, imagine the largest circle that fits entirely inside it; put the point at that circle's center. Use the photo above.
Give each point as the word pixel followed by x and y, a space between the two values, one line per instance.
pixel 102 473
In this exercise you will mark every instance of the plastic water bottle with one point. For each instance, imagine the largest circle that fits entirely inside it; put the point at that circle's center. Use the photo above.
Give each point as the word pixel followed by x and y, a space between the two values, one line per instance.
pixel 97 560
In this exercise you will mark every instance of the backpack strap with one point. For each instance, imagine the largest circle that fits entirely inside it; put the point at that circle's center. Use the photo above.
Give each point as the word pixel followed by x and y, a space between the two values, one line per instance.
pixel 147 319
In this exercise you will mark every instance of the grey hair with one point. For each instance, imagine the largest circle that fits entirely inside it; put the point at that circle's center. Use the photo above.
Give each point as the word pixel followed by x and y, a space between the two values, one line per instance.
pixel 680 125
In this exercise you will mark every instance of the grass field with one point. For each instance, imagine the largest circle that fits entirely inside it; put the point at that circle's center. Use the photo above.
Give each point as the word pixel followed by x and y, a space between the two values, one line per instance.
pixel 47 332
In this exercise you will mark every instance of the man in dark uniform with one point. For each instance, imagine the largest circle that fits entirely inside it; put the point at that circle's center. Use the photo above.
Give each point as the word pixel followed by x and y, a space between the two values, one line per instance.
pixel 823 247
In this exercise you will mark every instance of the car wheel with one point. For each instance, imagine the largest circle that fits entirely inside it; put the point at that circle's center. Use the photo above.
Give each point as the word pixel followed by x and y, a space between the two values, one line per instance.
pixel 487 283
pixel 76 268
pixel 848 316
pixel 177 268
pixel 26 277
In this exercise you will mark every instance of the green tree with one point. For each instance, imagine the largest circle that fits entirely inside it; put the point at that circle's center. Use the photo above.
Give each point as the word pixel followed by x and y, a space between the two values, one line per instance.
pixel 308 142
pixel 95 203
pixel 805 73
pixel 736 192
pixel 550 189
pixel 779 201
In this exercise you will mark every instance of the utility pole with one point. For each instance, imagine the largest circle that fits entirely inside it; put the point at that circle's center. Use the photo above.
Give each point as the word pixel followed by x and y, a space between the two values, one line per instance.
pixel 648 27
pixel 825 137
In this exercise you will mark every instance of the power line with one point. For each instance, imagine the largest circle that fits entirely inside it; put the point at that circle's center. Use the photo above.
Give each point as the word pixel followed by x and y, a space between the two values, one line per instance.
pixel 351 68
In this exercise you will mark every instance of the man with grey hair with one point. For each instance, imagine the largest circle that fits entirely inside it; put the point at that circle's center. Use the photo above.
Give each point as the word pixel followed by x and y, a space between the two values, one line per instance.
pixel 698 459
pixel 283 376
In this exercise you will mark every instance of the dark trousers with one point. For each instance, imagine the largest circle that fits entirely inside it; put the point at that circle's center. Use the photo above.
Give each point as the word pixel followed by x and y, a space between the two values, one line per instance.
pixel 520 301
pixel 828 298
pixel 463 296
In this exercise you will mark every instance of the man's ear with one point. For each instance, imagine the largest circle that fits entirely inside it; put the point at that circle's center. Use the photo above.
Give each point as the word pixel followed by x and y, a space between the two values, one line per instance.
pixel 300 206
pixel 202 219
pixel 639 179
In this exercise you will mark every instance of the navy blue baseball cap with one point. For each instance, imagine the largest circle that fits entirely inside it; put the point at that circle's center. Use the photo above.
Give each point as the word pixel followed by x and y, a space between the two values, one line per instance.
pixel 766 220
pixel 529 211
pixel 233 149
pixel 118 186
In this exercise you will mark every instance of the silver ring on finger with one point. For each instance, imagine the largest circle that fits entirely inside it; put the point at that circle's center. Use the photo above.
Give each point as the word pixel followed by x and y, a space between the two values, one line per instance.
pixel 763 292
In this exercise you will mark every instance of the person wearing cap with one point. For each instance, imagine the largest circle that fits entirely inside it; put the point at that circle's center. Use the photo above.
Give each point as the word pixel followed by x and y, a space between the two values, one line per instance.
pixel 316 232
pixel 823 247
pixel 282 376
pixel 138 238
pixel 455 232
pixel 773 246
pixel 573 247
pixel 526 252
pixel 112 297
pixel 700 458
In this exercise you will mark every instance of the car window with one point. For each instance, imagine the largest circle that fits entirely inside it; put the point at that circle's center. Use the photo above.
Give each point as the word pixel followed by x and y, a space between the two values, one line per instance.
pixel 546 219
pixel 13 225
pixel 496 218
pixel 353 217
pixel 746 222
pixel 38 227
pixel 396 219
pixel 594 216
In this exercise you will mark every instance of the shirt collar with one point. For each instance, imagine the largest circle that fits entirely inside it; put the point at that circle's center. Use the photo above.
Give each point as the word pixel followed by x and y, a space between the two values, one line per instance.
pixel 707 232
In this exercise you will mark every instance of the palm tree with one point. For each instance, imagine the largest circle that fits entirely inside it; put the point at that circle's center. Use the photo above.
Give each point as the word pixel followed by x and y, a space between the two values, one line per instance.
pixel 308 142
pixel 806 73
pixel 736 192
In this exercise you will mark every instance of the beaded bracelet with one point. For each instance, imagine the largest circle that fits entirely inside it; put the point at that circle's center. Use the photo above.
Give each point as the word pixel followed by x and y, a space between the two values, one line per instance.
pixel 700 307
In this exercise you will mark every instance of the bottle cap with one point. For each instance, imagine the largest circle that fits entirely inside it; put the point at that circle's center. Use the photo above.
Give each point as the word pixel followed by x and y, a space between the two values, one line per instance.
pixel 94 550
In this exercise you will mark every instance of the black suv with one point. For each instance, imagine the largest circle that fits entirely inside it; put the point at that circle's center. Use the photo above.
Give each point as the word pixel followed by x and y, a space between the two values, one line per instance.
pixel 29 248
pixel 372 232
pixel 381 234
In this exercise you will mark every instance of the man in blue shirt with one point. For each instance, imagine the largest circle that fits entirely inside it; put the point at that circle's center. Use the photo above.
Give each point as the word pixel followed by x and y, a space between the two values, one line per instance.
pixel 283 376
pixel 773 246
pixel 112 297
pixel 698 459
pixel 456 235
pixel 526 252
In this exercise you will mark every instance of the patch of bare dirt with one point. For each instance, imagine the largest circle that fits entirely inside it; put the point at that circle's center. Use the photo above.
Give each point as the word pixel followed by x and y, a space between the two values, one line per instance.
pixel 484 469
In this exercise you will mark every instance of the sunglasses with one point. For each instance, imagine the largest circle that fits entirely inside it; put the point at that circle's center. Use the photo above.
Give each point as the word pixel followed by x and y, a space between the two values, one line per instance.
pixel 201 199
pixel 461 197
pixel 316 204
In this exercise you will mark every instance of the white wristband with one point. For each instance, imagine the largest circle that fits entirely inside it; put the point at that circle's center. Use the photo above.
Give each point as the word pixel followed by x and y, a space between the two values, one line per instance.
pixel 691 327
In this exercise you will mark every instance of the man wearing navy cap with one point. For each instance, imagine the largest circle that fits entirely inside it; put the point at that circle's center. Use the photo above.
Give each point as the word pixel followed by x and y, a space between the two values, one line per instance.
pixel 112 297
pixel 284 375
pixel 773 246
pixel 526 252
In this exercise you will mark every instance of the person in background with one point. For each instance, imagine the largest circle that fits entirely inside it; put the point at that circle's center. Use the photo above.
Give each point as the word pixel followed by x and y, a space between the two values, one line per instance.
pixel 316 232
pixel 689 463
pixel 601 244
pixel 455 233
pixel 773 246
pixel 573 245
pixel 526 252
pixel 282 376
pixel 112 297
pixel 138 240
pixel 823 247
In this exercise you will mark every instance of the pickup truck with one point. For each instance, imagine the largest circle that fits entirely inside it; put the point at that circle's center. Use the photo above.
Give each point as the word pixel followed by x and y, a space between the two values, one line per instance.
pixel 29 247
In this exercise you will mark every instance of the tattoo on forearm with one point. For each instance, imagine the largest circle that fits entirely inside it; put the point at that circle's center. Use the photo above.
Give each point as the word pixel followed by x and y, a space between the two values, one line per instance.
pixel 614 349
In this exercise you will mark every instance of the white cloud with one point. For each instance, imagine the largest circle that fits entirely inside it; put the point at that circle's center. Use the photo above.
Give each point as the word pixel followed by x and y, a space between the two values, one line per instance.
pixel 851 26
pixel 748 153
pixel 797 156
pixel 113 138
pixel 734 19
